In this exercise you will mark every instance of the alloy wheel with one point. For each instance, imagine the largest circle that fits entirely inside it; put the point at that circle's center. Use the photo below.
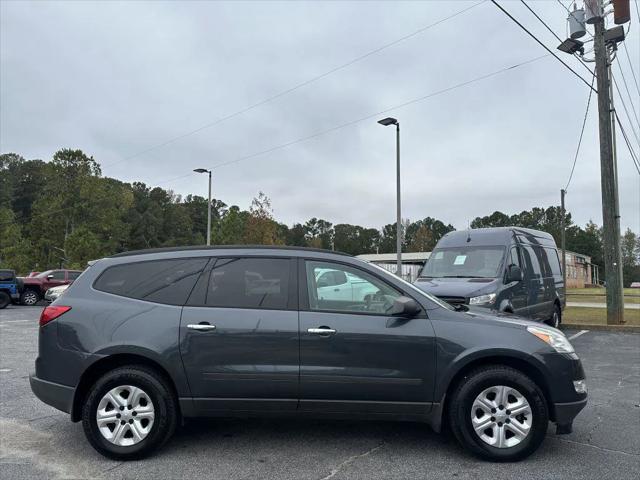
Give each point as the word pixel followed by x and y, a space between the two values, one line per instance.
pixel 125 415
pixel 30 298
pixel 501 416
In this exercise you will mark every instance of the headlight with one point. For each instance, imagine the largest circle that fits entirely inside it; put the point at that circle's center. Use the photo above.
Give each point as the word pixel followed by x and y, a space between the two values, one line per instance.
pixel 489 298
pixel 552 338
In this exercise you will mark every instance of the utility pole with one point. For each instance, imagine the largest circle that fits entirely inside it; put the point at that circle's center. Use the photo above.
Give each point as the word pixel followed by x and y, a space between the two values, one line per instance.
pixel 399 214
pixel 608 177
pixel 563 241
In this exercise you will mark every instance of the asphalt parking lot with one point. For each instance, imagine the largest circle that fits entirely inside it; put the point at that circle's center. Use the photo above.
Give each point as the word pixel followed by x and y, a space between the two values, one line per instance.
pixel 37 441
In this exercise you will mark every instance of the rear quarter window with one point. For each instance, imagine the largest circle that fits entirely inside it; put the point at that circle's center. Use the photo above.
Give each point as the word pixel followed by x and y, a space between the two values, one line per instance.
pixel 161 281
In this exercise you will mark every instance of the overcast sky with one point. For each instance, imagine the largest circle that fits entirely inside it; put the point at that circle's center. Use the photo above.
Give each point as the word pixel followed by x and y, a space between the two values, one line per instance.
pixel 116 79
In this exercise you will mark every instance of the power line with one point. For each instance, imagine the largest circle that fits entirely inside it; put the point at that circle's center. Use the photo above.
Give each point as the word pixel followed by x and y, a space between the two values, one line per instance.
pixel 584 122
pixel 295 87
pixel 367 117
pixel 633 155
pixel 626 87
pixel 635 80
pixel 624 106
pixel 541 44
pixel 541 20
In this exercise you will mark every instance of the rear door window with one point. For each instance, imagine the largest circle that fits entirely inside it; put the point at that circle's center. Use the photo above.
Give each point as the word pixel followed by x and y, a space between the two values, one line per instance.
pixel 160 281
pixel 251 283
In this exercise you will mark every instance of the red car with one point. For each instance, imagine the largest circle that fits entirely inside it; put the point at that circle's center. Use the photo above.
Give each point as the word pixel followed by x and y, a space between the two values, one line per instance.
pixel 36 286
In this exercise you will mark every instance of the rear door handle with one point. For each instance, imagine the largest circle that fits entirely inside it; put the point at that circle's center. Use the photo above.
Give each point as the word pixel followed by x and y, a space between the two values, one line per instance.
pixel 321 331
pixel 203 327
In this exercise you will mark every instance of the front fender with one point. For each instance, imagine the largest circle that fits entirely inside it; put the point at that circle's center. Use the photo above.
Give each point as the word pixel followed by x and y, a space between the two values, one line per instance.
pixel 484 356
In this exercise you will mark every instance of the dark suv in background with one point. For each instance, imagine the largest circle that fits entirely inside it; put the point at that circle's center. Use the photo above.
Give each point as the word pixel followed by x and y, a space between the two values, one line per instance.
pixel 506 269
pixel 146 338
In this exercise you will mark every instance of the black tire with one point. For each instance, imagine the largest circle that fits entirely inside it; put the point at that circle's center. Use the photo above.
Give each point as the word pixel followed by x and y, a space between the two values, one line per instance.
pixel 556 317
pixel 162 398
pixel 460 411
pixel 5 300
pixel 29 297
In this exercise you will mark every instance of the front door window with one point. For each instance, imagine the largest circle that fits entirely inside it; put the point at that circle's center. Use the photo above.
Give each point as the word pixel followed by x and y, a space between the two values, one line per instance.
pixel 339 288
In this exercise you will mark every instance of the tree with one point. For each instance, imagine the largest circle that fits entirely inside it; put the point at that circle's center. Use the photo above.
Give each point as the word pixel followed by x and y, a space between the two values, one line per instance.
pixel 423 235
pixel 15 250
pixel 296 236
pixel 319 233
pixel 261 228
pixel 630 244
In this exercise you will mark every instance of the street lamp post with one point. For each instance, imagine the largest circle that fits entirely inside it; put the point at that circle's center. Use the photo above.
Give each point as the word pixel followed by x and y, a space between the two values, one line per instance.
pixel 204 170
pixel 386 122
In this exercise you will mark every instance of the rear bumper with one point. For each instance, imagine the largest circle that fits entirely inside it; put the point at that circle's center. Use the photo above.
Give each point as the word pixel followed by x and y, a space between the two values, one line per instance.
pixel 54 394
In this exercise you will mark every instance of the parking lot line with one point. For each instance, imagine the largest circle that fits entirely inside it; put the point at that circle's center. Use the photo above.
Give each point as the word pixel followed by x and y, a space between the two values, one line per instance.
pixel 581 332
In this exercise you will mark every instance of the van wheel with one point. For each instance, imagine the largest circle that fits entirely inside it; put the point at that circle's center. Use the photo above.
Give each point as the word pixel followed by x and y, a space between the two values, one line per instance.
pixel 498 414
pixel 556 318
pixel 129 412
pixel 29 297
pixel 5 300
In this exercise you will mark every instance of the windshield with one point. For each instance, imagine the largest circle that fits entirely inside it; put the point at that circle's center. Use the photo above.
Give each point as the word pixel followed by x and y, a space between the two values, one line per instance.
pixel 464 262
pixel 434 299
pixel 44 274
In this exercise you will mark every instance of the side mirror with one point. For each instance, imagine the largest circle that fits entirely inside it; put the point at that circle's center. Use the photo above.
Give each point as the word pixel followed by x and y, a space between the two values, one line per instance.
pixel 49 277
pixel 514 274
pixel 405 307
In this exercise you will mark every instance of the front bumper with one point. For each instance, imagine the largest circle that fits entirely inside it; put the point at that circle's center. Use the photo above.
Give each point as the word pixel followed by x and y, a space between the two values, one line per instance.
pixel 565 413
pixel 54 394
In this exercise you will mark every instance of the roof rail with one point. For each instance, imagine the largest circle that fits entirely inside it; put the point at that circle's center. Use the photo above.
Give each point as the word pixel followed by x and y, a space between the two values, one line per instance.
pixel 224 247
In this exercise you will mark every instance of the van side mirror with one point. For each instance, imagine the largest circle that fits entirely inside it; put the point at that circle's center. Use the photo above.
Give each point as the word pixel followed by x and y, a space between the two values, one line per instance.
pixel 405 307
pixel 514 274
pixel 50 276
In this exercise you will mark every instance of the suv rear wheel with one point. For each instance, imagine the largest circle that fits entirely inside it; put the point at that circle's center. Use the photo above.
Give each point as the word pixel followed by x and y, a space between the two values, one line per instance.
pixel 129 412
pixel 29 297
pixel 499 414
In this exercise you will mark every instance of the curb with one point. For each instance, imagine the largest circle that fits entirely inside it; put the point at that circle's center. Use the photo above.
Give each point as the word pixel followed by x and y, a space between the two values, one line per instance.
pixel 608 328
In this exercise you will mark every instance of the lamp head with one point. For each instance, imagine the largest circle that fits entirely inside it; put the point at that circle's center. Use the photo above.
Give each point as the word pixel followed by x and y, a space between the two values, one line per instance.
pixel 388 121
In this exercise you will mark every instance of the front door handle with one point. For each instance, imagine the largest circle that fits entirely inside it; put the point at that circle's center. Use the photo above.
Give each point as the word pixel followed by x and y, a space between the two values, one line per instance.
pixel 203 327
pixel 321 330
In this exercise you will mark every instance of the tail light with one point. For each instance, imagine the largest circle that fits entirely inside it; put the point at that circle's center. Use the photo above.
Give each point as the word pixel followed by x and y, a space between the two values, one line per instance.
pixel 51 313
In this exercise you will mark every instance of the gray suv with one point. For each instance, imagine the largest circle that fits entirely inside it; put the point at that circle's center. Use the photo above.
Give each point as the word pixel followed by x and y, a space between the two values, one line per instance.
pixel 144 339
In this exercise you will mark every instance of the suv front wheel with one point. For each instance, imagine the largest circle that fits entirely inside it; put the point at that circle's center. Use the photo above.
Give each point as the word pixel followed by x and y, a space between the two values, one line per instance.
pixel 129 412
pixel 499 414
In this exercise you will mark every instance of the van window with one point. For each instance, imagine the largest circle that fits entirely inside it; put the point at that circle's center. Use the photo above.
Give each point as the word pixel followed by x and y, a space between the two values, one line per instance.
pixel 249 283
pixel 464 262
pixel 532 261
pixel 160 281
pixel 514 259
pixel 554 262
